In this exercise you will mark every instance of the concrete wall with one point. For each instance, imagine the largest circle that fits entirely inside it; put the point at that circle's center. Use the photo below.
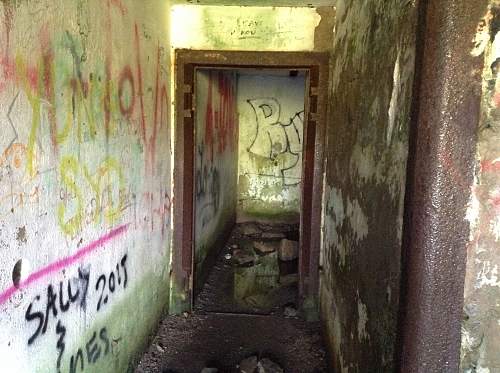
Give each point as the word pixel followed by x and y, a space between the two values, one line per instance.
pixel 372 72
pixel 250 28
pixel 216 163
pixel 481 324
pixel 84 182
pixel 271 115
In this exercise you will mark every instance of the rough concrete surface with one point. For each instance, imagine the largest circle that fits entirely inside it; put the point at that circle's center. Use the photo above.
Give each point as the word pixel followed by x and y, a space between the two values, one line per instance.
pixel 368 131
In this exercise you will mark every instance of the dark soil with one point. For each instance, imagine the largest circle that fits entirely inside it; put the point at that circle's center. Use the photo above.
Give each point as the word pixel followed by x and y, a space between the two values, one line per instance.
pixel 189 344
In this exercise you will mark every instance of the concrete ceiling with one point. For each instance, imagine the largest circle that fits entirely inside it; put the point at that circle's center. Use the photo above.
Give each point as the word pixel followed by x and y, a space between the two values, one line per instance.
pixel 298 3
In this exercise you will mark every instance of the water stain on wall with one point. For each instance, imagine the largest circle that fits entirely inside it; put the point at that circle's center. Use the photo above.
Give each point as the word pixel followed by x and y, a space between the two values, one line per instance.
pixel 365 180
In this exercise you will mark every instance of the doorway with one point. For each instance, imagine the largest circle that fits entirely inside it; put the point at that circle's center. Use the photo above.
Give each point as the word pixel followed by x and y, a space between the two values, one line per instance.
pixel 247 194
pixel 248 163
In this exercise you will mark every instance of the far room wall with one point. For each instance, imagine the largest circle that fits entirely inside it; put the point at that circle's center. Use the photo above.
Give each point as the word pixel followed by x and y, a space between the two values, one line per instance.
pixel 271 115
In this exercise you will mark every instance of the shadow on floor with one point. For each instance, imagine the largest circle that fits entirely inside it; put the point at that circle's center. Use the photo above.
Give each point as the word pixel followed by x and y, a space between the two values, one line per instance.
pixel 189 344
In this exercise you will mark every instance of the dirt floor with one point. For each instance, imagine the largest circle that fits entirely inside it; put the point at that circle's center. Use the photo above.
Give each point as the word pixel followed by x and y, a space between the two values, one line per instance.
pixel 246 310
pixel 222 341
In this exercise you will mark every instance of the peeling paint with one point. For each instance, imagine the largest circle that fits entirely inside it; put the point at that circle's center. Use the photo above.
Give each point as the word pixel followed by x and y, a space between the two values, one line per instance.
pixel 396 91
pixel 362 320
pixel 488 276
pixel 366 179
pixel 480 328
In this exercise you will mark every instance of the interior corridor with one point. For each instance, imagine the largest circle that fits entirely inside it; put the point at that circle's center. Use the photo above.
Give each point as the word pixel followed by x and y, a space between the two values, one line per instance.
pixel 249 186
pixel 246 317
pixel 248 142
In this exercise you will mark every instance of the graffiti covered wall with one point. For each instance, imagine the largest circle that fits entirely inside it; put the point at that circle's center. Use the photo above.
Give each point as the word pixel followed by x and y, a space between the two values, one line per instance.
pixel 216 161
pixel 271 115
pixel 481 324
pixel 372 73
pixel 84 182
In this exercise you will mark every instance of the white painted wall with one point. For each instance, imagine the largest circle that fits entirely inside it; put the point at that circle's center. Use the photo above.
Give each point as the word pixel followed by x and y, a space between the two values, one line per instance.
pixel 84 182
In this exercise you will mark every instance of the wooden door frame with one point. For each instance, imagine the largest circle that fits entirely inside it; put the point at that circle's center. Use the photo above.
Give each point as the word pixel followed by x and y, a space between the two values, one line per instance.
pixel 316 65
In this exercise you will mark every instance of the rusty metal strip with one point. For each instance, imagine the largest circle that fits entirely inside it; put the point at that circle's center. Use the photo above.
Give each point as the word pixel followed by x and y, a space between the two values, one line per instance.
pixel 440 166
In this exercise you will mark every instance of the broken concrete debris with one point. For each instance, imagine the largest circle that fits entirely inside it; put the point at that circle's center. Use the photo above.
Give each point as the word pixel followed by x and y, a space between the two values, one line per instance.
pixel 254 365
pixel 249 365
pixel 159 348
pixel 290 312
pixel 264 247
pixel 243 258
pixel 289 250
pixel 268 366
pixel 273 235
pixel 250 230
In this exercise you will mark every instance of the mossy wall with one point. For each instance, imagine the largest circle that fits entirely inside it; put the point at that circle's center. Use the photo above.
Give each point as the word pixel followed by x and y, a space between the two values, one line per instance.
pixel 368 132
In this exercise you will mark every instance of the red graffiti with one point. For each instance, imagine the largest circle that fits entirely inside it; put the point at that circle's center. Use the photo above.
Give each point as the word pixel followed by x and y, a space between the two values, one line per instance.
pixel 165 110
pixel 139 77
pixel 496 202
pixel 118 4
pixel 152 140
pixel 41 84
pixel 48 84
pixel 8 21
pixel 220 122
pixel 227 113
pixel 490 166
pixel 126 78
pixel 209 119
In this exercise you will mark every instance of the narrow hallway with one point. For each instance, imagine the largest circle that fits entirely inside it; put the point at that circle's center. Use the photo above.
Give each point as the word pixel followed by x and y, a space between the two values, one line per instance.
pixel 245 317
pixel 249 186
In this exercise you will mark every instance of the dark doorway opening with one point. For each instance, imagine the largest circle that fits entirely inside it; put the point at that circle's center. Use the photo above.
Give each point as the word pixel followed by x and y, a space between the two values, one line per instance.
pixel 210 200
pixel 248 163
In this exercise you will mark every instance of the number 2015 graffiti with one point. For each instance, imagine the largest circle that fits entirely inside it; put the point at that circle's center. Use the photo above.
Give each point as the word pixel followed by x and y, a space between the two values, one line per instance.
pixel 111 282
